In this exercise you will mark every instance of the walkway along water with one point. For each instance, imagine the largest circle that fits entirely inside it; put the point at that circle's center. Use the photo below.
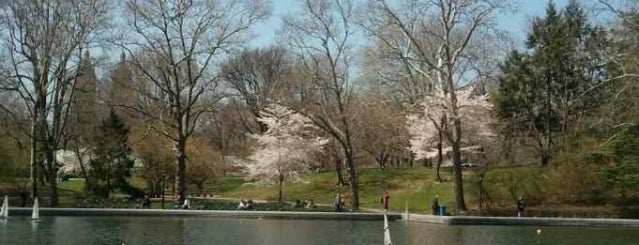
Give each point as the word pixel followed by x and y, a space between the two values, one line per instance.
pixel 443 220
pixel 525 221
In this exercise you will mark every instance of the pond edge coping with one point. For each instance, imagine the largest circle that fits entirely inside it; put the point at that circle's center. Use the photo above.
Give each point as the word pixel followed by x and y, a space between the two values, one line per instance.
pixel 376 216
pixel 203 213
pixel 521 221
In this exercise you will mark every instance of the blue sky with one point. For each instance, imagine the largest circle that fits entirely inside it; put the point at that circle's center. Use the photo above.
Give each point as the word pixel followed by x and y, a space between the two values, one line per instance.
pixel 515 22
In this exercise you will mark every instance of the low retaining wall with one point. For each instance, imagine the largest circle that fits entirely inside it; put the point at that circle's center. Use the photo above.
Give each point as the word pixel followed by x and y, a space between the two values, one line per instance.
pixel 204 213
pixel 526 221
pixel 442 220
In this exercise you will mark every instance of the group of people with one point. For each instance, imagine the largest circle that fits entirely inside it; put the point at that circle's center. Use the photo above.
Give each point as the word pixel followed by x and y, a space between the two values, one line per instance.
pixel 246 204
pixel 145 203
pixel 306 203
pixel 338 204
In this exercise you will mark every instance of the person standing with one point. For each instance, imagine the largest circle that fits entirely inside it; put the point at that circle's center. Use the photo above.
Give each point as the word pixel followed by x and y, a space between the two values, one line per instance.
pixel 521 205
pixel 337 203
pixel 384 200
pixel 342 204
pixel 435 205
pixel 146 202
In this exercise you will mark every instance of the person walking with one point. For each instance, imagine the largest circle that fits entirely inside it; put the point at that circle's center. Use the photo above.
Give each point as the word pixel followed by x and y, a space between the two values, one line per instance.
pixel 384 200
pixel 187 204
pixel 521 205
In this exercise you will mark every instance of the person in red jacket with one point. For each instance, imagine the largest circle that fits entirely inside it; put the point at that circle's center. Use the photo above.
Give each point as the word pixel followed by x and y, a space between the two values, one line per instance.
pixel 384 200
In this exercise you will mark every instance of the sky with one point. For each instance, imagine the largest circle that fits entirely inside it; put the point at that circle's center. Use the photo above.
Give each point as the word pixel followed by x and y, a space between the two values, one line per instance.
pixel 516 22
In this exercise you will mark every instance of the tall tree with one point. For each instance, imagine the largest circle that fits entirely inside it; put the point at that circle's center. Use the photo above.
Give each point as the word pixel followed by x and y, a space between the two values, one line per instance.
pixel 112 163
pixel 155 151
pixel 173 46
pixel 380 128
pixel 43 42
pixel 442 53
pixel 623 175
pixel 547 92
pixel 284 151
pixel 323 40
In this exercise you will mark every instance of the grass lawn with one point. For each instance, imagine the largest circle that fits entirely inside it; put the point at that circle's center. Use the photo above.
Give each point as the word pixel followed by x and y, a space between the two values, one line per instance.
pixel 69 191
pixel 414 186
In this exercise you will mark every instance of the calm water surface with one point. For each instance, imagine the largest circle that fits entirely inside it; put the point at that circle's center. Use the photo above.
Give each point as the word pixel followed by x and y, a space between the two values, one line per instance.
pixel 169 230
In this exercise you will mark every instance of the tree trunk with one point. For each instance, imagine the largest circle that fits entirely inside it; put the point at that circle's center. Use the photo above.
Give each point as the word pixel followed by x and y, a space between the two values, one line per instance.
pixel 338 170
pixel 180 182
pixel 456 144
pixel 83 170
pixel 380 160
pixel 173 189
pixel 43 176
pixel 108 180
pixel 459 184
pixel 352 180
pixel 33 163
pixel 545 157
pixel 281 180
pixel 163 185
pixel 440 153
pixel 482 191
pixel 52 178
pixel 440 160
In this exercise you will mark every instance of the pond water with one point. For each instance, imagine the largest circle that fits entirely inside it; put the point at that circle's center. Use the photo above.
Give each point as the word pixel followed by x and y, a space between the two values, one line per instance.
pixel 178 230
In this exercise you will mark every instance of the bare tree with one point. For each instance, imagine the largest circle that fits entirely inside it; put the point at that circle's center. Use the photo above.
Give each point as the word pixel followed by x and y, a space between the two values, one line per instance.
pixel 621 57
pixel 386 69
pixel 173 47
pixel 43 43
pixel 380 129
pixel 257 77
pixel 323 38
pixel 440 52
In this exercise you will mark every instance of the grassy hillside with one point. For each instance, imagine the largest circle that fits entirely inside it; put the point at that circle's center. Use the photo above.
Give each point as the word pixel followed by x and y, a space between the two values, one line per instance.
pixel 414 187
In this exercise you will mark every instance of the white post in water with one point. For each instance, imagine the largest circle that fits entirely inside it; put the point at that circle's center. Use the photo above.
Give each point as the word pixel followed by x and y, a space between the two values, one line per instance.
pixel 4 212
pixel 387 237
pixel 36 210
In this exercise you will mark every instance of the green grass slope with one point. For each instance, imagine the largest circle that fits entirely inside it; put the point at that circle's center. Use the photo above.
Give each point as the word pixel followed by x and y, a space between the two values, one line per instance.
pixel 414 187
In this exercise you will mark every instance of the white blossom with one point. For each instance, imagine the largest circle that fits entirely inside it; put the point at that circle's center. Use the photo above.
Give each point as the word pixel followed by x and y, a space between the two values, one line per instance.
pixel 475 115
pixel 285 149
